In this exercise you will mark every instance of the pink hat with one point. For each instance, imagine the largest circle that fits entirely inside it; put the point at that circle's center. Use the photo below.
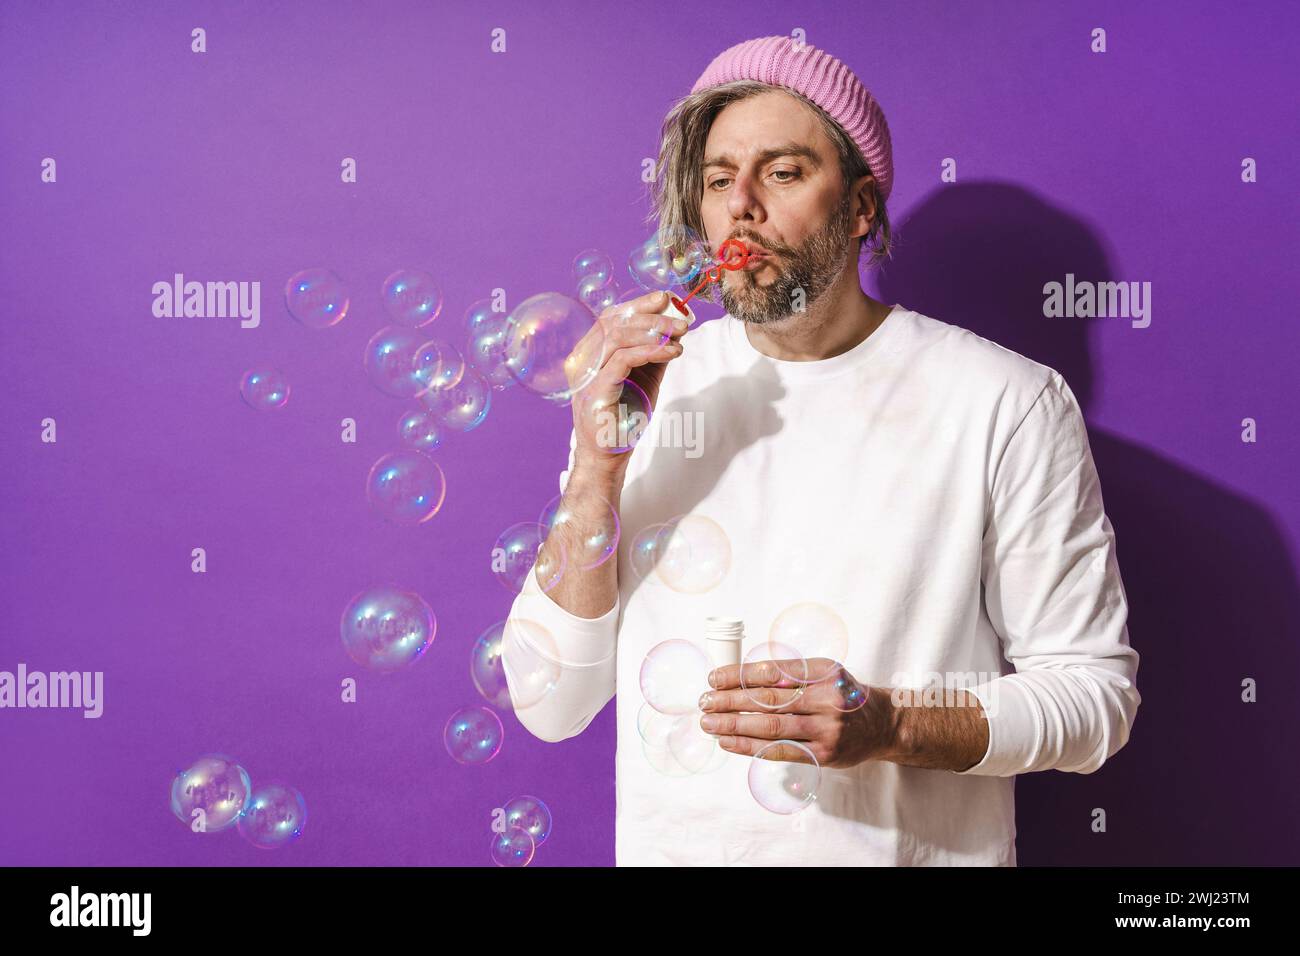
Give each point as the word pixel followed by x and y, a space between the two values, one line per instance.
pixel 823 79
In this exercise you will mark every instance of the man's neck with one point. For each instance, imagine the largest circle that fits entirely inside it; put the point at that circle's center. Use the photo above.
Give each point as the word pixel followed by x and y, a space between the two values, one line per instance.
pixel 838 321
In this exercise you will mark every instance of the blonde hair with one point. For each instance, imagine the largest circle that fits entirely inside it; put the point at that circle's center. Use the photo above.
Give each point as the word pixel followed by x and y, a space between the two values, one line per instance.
pixel 678 185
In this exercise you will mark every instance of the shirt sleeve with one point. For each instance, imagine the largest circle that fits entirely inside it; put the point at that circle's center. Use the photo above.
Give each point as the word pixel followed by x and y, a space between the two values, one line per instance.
pixel 1053 593
pixel 560 668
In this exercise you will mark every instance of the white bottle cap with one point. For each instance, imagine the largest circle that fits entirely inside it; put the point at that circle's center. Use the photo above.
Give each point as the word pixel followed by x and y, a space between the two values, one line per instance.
pixel 678 309
pixel 722 637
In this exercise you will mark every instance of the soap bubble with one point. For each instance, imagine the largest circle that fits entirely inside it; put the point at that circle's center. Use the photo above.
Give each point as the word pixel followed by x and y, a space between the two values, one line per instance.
pixel 676 746
pixel 316 298
pixel 514 847
pixel 439 365
pixel 772 669
pixel 849 694
pixel 593 263
pixel 694 554
pixel 516 552
pixel 275 817
pixel 264 388
pixel 530 660
pixel 670 258
pixel 644 553
pixel 396 365
pixel 411 298
pixel 619 423
pixel 485 347
pixel 385 628
pixel 418 430
pixel 485 667
pixel 530 814
pixel 406 487
pixel 597 294
pixel 214 784
pixel 813 631
pixel 460 407
pixel 673 676
pixel 554 345
pixel 598 542
pixel 784 785
pixel 473 735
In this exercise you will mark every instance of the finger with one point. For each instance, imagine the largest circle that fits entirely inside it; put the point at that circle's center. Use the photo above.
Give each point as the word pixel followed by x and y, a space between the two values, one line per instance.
pixel 619 311
pixel 654 330
pixel 787 700
pixel 757 674
pixel 619 365
pixel 759 726
pixel 750 746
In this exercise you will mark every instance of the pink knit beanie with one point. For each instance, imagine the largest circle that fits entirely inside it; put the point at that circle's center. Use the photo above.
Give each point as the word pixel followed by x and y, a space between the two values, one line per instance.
pixel 826 81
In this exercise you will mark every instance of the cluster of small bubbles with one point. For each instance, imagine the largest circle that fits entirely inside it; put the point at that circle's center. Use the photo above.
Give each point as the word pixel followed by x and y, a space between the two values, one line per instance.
pixel 460 407
pixel 770 673
pixel 530 814
pixel 815 632
pixel 316 297
pixel 406 487
pixel 215 784
pixel 596 545
pixel 784 776
pixel 485 667
pixel 411 298
pixel 473 735
pixel 439 365
pixel 397 363
pixel 694 554
pixel 529 658
pixel 514 847
pixel 593 264
pixel 670 258
pixel 553 345
pixel 620 424
pixel 385 628
pixel 418 430
pixel 486 343
pixel 516 552
pixel 264 388
pixel 274 817
pixel 673 676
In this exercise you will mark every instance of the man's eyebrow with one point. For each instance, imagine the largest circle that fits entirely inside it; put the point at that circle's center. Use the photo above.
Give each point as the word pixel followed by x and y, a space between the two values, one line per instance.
pixel 785 149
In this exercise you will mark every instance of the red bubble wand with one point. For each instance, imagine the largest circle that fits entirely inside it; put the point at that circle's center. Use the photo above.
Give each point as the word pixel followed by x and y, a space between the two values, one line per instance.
pixel 725 261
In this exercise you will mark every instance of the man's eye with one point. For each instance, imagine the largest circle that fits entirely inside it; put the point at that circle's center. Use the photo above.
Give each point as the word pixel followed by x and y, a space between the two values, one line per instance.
pixel 716 181
pixel 793 174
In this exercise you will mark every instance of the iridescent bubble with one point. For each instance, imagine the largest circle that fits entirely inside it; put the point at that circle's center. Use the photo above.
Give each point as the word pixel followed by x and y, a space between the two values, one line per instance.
pixel 418 430
pixel 592 263
pixel 214 784
pixel 531 814
pixel 673 676
pixel 411 298
pixel 784 785
pixel 644 553
pixel 598 540
pixel 385 628
pixel 516 552
pixel 669 259
pixel 275 817
pixel 316 297
pixel 597 294
pixel 694 554
pixel 553 345
pixel 849 694
pixel 514 847
pixel 530 661
pixel 654 726
pixel 485 667
pixel 406 487
pixel 396 365
pixel 620 423
pixel 460 407
pixel 264 388
pixel 770 672
pixel 473 735
pixel 439 365
pixel 815 632
pixel 485 347
pixel 676 746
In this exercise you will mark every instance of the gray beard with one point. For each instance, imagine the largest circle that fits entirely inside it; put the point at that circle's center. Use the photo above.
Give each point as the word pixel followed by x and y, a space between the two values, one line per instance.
pixel 812 267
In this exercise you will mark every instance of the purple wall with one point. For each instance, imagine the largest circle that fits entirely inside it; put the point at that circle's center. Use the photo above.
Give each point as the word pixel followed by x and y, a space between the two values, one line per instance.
pixel 493 170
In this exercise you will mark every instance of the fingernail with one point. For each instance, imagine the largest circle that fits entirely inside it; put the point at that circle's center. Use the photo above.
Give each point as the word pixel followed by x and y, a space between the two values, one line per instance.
pixel 679 325
pixel 706 701
pixel 709 723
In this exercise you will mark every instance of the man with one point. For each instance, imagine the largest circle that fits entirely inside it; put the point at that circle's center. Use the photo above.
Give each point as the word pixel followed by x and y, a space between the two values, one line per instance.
pixel 928 488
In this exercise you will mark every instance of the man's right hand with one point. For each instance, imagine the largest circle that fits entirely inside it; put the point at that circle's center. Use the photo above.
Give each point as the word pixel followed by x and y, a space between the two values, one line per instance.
pixel 634 348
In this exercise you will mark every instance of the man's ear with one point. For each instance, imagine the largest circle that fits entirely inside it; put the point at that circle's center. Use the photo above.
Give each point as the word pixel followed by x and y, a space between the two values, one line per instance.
pixel 863 205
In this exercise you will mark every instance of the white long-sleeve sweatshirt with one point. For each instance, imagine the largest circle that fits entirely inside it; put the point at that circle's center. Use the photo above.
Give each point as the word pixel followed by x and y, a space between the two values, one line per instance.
pixel 934 489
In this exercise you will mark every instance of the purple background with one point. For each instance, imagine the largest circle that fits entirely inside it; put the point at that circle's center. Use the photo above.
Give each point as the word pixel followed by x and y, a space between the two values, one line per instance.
pixel 493 171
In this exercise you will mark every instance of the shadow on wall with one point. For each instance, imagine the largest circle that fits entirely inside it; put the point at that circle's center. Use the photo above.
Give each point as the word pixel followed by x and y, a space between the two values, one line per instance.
pixel 1212 590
